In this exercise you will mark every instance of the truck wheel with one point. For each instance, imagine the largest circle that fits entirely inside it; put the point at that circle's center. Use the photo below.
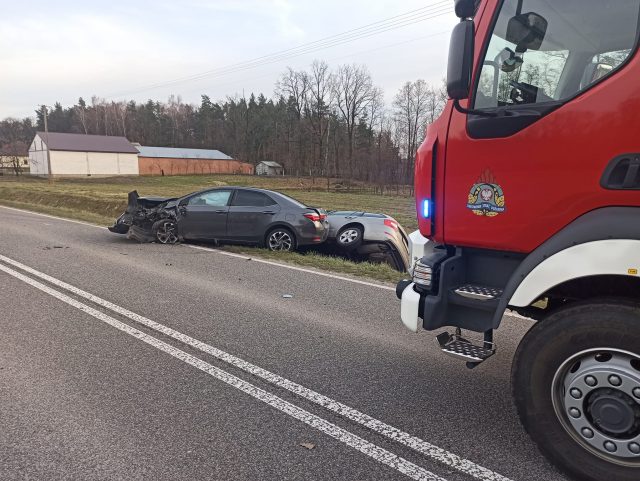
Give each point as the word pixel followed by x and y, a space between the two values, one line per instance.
pixel 576 385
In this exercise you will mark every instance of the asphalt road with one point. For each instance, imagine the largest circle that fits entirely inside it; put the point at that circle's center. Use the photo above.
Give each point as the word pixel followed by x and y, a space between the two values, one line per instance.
pixel 190 364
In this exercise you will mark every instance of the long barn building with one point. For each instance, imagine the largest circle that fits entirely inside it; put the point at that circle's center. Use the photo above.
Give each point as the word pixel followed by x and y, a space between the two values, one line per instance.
pixel 79 155
pixel 70 155
pixel 177 161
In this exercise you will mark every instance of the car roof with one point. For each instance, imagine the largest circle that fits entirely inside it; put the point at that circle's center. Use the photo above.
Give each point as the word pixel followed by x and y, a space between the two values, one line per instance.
pixel 280 195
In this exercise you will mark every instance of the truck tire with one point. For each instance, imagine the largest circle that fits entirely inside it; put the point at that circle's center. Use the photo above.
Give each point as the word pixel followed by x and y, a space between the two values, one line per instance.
pixel 576 386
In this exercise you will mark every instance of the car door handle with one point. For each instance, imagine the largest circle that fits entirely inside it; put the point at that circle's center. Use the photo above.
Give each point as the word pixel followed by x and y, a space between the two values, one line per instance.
pixel 221 211
pixel 271 212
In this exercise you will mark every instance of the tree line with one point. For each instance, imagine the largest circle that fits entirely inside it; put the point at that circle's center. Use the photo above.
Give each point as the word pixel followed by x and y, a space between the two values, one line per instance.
pixel 320 122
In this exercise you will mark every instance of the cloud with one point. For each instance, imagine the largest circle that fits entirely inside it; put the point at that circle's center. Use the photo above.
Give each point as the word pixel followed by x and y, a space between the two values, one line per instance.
pixel 71 48
pixel 85 53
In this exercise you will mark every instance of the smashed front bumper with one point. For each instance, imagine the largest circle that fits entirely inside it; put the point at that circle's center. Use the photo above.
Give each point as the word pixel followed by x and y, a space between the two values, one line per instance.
pixel 121 225
pixel 141 213
pixel 141 234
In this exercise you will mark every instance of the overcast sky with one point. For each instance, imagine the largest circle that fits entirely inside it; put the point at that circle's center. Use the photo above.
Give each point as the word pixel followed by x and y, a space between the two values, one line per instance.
pixel 61 50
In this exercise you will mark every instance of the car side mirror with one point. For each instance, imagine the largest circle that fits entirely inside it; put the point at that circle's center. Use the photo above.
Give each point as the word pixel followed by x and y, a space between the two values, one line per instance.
pixel 460 61
pixel 183 202
pixel 527 31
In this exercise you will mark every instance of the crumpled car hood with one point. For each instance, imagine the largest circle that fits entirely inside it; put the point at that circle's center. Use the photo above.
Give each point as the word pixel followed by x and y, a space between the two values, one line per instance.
pixel 142 212
pixel 135 201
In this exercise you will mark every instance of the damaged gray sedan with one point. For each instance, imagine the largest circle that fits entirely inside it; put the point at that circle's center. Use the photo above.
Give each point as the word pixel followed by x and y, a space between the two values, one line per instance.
pixel 227 215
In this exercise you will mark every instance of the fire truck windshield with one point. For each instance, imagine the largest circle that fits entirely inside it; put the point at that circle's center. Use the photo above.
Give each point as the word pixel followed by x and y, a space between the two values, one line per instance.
pixel 570 46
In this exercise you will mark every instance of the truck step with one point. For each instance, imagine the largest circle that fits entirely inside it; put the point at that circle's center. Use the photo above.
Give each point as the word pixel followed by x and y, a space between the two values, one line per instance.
pixel 479 293
pixel 457 346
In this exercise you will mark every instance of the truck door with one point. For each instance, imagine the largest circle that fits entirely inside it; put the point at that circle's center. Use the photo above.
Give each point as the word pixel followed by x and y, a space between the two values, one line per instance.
pixel 556 96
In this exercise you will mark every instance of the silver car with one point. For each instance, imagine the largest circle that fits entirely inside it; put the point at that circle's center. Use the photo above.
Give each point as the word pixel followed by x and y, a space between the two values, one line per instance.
pixel 374 236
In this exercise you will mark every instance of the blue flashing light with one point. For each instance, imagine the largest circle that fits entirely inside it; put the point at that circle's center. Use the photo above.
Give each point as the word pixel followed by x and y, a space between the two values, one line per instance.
pixel 426 208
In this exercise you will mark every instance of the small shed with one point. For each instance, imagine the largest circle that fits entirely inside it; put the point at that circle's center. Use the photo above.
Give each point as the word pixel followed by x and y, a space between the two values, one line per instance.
pixel 12 164
pixel 269 168
pixel 179 161
pixel 68 155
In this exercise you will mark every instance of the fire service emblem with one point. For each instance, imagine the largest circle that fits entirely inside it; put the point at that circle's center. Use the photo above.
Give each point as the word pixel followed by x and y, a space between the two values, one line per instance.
pixel 486 197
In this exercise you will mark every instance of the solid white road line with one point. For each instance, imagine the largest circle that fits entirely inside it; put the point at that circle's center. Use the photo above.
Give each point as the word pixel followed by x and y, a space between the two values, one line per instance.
pixel 301 269
pixel 229 254
pixel 434 452
pixel 373 451
pixel 240 256
pixel 52 217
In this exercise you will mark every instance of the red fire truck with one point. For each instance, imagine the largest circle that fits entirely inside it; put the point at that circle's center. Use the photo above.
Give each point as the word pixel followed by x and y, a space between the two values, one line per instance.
pixel 528 191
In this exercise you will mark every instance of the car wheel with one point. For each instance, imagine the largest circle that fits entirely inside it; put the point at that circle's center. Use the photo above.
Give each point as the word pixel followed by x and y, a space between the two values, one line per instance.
pixel 350 237
pixel 281 239
pixel 165 231
pixel 576 386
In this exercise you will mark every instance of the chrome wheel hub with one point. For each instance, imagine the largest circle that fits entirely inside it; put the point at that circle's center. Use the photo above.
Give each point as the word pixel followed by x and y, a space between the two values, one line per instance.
pixel 167 233
pixel 348 236
pixel 596 396
pixel 280 241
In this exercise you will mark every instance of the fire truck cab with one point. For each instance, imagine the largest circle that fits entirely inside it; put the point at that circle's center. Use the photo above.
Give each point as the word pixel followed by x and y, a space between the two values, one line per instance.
pixel 528 191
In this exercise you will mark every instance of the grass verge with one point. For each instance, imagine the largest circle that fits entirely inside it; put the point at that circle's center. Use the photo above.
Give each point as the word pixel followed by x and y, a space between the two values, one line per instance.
pixel 108 196
pixel 379 272
pixel 367 270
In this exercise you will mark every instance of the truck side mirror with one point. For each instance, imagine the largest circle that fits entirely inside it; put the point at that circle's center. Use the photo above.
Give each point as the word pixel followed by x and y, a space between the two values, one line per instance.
pixel 465 8
pixel 527 31
pixel 460 61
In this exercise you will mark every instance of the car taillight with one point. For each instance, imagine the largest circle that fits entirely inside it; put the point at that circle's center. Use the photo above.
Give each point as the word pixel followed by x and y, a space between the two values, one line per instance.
pixel 391 223
pixel 314 217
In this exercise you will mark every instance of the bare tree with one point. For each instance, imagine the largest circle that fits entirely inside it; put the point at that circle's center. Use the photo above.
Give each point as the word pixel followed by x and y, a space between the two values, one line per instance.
pixel 437 99
pixel 415 106
pixel 321 100
pixel 120 114
pixel 354 92
pixel 293 86
pixel 81 112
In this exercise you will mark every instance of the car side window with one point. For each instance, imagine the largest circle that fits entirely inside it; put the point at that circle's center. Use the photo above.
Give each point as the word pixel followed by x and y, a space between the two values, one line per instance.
pixel 214 198
pixel 247 198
